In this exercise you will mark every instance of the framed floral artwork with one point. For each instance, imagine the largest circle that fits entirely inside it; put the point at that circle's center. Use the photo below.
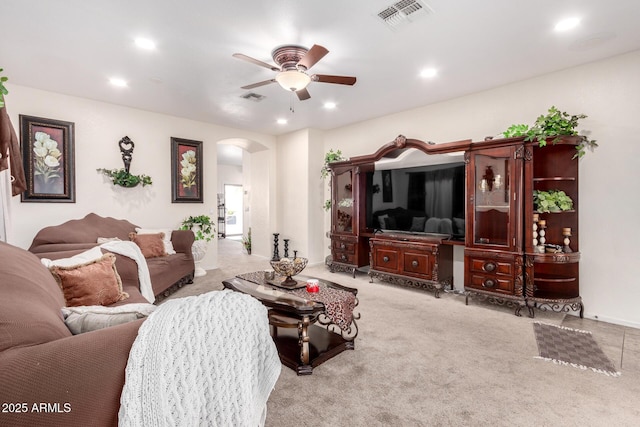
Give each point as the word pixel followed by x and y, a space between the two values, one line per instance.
pixel 186 171
pixel 48 156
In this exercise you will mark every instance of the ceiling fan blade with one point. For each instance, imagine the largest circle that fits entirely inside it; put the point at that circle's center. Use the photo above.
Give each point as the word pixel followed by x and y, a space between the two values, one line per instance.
pixel 255 61
pixel 262 83
pixel 315 54
pixel 340 80
pixel 303 94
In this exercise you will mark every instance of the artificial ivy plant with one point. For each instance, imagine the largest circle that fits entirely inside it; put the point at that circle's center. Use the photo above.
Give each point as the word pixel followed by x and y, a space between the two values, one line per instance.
pixel 3 90
pixel 551 201
pixel 124 179
pixel 201 226
pixel 330 157
pixel 555 124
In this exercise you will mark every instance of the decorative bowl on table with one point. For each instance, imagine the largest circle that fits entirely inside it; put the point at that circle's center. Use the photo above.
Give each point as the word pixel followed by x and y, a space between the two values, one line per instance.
pixel 289 267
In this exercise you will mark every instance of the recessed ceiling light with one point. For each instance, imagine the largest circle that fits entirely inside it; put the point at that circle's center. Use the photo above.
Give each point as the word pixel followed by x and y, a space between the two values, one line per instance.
pixel 329 105
pixel 282 121
pixel 567 24
pixel 118 82
pixel 143 43
pixel 428 73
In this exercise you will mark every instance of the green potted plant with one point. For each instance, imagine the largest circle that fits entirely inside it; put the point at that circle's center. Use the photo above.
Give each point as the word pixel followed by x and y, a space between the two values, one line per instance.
pixel 204 231
pixel 554 124
pixel 3 90
pixel 551 201
pixel 330 157
pixel 246 241
pixel 124 179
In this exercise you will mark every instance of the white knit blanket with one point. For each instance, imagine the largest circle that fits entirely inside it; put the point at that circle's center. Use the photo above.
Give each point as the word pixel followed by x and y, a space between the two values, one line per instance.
pixel 205 360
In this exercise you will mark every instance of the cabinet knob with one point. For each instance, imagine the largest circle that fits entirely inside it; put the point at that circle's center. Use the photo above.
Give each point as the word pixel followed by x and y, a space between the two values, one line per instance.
pixel 343 257
pixel 489 266
pixel 342 246
pixel 489 283
pixel 414 263
pixel 385 259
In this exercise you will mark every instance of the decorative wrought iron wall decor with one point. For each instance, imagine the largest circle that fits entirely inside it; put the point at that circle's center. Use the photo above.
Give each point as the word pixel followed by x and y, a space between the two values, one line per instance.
pixel 122 177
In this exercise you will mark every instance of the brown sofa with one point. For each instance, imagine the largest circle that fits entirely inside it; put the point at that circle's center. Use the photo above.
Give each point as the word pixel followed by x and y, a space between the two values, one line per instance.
pixel 72 237
pixel 49 377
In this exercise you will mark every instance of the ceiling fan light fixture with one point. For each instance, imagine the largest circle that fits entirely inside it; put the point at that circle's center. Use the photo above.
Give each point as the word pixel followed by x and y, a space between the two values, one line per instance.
pixel 293 80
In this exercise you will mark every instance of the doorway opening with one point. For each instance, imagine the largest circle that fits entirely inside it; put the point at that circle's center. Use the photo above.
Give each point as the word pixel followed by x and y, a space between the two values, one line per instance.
pixel 234 210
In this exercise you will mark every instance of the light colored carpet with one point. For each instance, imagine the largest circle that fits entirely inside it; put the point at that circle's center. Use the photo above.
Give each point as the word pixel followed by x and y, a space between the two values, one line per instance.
pixel 422 361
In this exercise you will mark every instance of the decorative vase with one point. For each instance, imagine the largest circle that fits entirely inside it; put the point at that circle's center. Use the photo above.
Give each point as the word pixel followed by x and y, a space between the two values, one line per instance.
pixel 199 250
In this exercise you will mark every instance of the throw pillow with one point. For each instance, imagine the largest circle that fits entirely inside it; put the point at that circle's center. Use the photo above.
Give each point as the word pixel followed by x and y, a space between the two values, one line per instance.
pixel 391 223
pixel 417 223
pixel 96 282
pixel 151 245
pixel 381 221
pixel 102 240
pixel 168 246
pixel 432 225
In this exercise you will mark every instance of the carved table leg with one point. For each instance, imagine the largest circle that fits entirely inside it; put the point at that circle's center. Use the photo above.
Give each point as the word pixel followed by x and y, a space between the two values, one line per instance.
pixel 303 340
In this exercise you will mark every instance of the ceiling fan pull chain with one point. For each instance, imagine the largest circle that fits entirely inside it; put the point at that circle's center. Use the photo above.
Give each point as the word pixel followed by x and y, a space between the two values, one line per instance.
pixel 291 103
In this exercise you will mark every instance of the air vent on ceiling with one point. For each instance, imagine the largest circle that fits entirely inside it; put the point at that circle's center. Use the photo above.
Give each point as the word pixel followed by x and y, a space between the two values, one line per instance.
pixel 252 96
pixel 403 12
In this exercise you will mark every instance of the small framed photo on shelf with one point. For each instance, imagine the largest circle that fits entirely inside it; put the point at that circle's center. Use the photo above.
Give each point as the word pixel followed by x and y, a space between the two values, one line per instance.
pixel 186 171
pixel 48 157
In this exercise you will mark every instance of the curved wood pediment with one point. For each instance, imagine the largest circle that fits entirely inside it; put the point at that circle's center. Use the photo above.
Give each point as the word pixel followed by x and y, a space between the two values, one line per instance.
pixel 394 148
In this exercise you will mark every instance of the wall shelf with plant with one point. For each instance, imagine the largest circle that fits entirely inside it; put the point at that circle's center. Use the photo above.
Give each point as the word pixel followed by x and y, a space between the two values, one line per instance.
pixel 123 177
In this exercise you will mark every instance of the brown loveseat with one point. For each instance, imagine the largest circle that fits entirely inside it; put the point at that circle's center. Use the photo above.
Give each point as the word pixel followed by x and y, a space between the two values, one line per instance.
pixel 78 235
pixel 49 377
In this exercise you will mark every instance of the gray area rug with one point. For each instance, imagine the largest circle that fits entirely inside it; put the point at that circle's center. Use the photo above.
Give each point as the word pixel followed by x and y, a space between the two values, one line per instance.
pixel 572 347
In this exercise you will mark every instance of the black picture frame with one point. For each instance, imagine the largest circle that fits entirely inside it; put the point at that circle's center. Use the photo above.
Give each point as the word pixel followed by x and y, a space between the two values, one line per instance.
pixel 387 187
pixel 186 171
pixel 49 159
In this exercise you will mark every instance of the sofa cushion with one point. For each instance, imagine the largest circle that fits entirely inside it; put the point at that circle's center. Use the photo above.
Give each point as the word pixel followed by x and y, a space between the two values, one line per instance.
pixel 31 301
pixel 151 245
pixel 91 318
pixel 93 283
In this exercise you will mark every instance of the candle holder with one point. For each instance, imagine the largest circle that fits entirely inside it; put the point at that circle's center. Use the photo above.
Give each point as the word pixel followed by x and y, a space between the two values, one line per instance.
pixel 286 248
pixel 542 224
pixel 566 232
pixel 276 252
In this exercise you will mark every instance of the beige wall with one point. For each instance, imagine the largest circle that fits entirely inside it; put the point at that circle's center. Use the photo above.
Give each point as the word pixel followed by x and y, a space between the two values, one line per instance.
pixel 608 92
pixel 98 128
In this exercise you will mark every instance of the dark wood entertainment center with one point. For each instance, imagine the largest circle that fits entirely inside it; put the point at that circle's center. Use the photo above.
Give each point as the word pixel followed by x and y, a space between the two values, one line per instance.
pixel 505 257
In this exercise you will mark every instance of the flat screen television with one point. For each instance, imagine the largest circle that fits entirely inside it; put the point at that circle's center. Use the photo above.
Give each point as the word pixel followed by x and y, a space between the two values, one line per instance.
pixel 424 199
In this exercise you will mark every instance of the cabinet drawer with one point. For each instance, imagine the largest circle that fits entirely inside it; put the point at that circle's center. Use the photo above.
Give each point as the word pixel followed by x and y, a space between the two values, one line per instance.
pixel 343 257
pixel 417 263
pixel 491 266
pixel 343 246
pixel 386 259
pixel 492 282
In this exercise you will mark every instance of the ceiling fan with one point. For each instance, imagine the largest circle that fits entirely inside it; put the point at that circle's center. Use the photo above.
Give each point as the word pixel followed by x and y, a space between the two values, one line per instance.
pixel 293 63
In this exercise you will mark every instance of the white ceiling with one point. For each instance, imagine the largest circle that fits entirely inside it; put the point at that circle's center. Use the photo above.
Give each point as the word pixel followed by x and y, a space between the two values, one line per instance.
pixel 75 46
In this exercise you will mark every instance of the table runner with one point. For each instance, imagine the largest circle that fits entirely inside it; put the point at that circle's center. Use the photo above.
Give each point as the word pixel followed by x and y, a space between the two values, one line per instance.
pixel 339 304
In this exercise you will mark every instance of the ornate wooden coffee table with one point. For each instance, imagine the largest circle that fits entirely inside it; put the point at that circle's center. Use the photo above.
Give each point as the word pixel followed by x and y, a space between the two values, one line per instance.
pixel 306 331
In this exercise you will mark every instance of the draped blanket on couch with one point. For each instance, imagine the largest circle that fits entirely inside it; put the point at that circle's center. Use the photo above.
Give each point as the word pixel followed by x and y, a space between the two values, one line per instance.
pixel 201 360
